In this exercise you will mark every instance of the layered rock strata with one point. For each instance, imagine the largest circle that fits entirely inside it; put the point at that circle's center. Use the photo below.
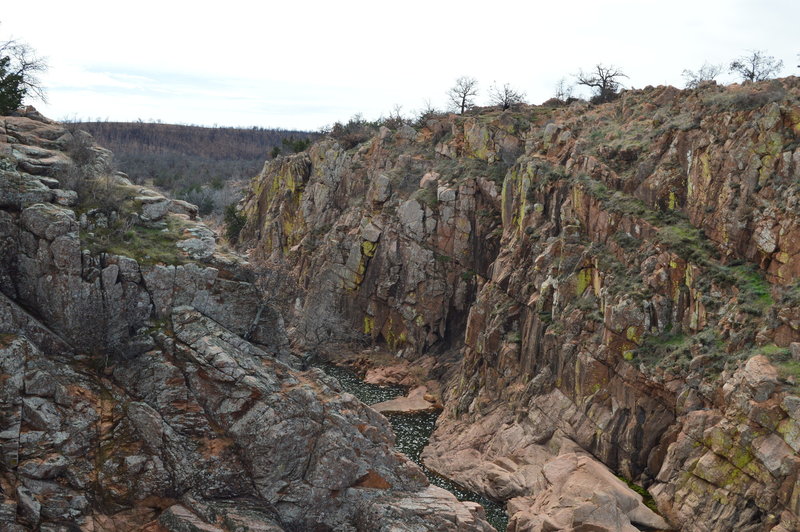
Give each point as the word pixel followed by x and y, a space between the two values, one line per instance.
pixel 621 281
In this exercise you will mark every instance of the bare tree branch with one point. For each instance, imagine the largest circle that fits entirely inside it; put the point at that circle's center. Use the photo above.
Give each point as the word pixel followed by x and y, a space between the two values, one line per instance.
pixel 463 93
pixel 707 72
pixel 604 81
pixel 505 96
pixel 758 66
pixel 563 91
pixel 24 64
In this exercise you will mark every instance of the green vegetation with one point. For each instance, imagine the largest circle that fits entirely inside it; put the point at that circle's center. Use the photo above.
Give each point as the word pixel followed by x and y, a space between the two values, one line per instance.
pixel 675 350
pixel 146 245
pixel 647 499
pixel 513 337
pixel 781 357
pixel 234 222
pixel 690 243
pixel 465 167
pixel 427 197
pixel 540 174
pixel 11 89
pixel 295 145
pixel 19 68
pixel 790 370
pixel 353 132
pixel 744 98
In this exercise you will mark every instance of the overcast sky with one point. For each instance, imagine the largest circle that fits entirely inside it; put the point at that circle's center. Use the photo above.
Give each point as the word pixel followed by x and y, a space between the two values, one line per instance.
pixel 306 64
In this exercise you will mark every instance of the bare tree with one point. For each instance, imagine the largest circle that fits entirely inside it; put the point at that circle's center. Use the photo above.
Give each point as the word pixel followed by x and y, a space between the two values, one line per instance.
pixel 757 66
pixel 563 91
pixel 463 93
pixel 707 72
pixel 425 114
pixel 395 118
pixel 20 63
pixel 505 96
pixel 604 81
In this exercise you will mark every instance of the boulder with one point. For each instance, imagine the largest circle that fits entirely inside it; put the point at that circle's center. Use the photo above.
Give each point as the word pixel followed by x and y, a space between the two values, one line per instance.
pixel 417 400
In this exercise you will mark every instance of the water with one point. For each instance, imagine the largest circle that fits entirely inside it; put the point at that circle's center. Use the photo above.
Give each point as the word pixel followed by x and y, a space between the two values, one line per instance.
pixel 412 432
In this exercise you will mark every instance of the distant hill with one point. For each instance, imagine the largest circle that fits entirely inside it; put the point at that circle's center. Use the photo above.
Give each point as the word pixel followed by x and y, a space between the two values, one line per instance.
pixel 199 164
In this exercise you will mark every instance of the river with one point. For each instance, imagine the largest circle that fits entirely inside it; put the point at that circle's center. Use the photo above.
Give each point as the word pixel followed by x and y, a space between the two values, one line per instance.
pixel 412 432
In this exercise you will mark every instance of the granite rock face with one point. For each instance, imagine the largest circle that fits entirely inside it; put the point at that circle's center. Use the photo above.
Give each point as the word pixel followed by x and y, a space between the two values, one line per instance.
pixel 152 387
pixel 620 281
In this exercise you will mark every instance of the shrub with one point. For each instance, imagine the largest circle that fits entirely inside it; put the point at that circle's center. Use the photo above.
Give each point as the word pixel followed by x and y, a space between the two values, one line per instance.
pixel 354 132
pixel 294 145
pixel 234 222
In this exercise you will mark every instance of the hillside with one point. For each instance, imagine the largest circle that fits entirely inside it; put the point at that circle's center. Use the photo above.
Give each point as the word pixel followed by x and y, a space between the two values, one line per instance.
pixel 204 165
pixel 598 290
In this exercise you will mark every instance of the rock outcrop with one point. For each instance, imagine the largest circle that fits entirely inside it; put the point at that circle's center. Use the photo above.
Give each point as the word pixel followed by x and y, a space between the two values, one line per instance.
pixel 145 384
pixel 621 281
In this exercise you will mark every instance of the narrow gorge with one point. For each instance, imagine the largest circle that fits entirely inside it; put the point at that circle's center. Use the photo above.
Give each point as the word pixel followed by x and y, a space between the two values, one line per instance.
pixel 604 293
pixel 602 300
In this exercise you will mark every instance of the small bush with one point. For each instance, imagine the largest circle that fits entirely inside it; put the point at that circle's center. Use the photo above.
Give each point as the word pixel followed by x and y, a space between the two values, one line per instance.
pixel 295 145
pixel 353 133
pixel 745 98
pixel 79 148
pixel 234 222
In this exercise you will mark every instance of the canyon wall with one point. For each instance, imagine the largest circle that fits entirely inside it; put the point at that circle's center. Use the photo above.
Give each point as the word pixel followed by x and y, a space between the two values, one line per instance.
pixel 146 385
pixel 620 282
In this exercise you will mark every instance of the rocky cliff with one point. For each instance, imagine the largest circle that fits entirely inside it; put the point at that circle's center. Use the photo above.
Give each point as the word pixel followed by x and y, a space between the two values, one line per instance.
pixel 146 385
pixel 619 282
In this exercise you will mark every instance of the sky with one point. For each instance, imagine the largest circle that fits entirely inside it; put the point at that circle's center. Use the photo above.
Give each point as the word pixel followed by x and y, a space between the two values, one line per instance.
pixel 306 65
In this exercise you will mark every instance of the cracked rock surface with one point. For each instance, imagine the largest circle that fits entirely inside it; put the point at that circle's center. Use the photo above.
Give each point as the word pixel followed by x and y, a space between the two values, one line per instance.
pixel 131 400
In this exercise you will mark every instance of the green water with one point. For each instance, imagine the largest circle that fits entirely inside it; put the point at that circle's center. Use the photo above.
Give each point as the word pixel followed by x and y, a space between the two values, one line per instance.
pixel 412 432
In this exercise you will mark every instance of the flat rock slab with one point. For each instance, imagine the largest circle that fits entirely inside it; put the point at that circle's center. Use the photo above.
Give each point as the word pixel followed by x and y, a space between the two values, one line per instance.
pixel 414 402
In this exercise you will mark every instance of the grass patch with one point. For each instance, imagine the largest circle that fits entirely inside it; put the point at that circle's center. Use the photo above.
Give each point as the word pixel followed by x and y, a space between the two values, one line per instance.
pixel 665 350
pixel 647 499
pixel 466 167
pixel 790 370
pixel 690 243
pixel 745 98
pixel 427 197
pixel 781 358
pixel 144 244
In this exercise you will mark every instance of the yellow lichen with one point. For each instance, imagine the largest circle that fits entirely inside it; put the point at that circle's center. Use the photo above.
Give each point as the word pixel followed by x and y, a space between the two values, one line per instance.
pixel 706 168
pixel 584 279
pixel 368 248
pixel 673 201
pixel 632 334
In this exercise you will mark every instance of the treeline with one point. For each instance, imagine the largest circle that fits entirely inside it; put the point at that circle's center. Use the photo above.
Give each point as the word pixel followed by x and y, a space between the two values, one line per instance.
pixel 218 143
pixel 204 165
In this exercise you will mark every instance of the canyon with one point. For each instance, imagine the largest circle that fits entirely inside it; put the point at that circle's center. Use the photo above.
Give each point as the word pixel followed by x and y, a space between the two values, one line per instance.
pixel 602 299
pixel 606 292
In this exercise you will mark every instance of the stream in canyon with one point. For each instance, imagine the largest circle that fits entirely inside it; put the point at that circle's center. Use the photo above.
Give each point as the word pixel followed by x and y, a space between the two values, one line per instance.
pixel 412 432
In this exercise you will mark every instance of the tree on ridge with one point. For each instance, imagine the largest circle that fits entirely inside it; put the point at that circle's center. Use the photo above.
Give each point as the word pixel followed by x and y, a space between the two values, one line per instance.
pixel 505 96
pixel 757 66
pixel 19 67
pixel 462 94
pixel 604 80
